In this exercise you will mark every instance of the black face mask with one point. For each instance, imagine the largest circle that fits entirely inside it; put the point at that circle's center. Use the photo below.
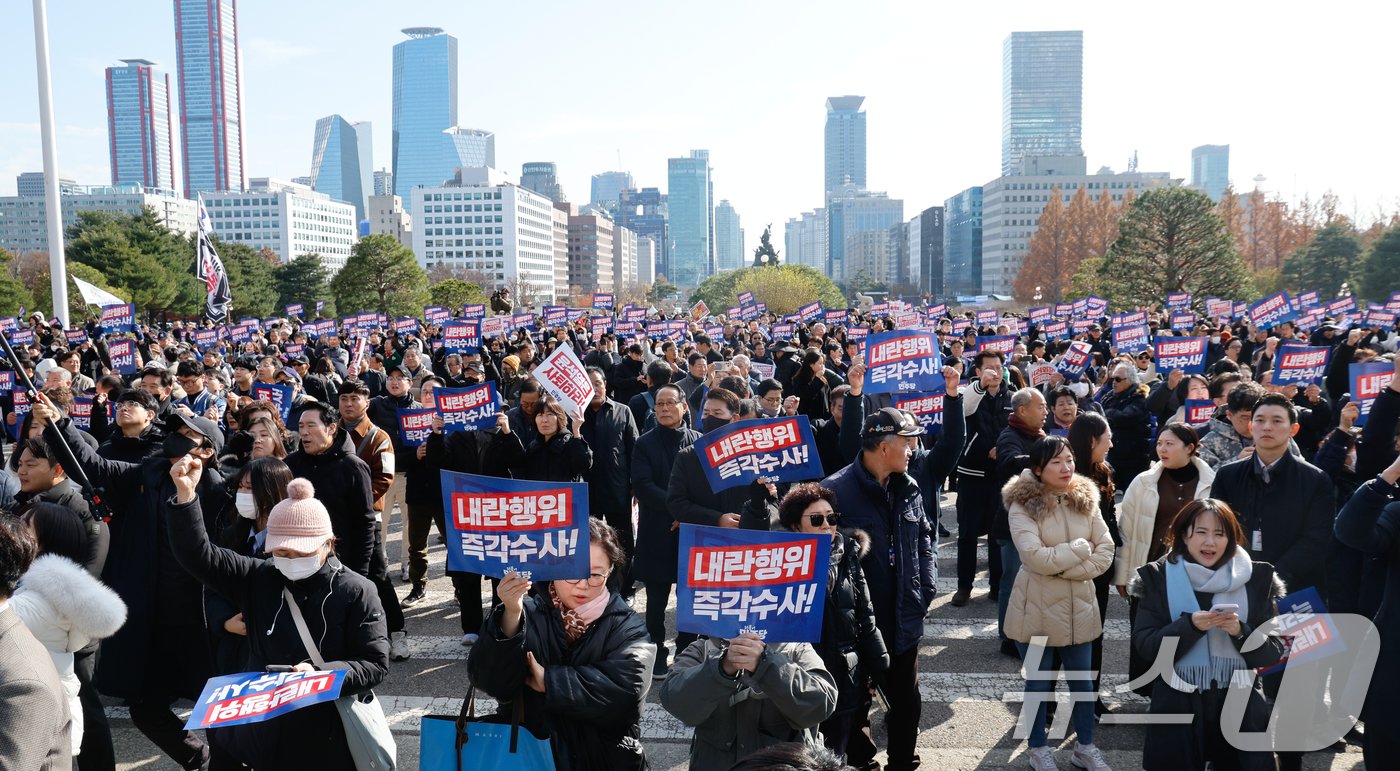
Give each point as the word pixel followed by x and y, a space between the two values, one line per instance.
pixel 709 423
pixel 178 446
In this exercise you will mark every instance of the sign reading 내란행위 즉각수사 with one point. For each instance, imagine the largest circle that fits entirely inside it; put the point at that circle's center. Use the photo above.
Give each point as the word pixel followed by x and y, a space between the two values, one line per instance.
pixel 903 361
pixel 775 449
pixel 1300 365
pixel 253 697
pixel 1187 354
pixel 497 525
pixel 771 584
pixel 468 409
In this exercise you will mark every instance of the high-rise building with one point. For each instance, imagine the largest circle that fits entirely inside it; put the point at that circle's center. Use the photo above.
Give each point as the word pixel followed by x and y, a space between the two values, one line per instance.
pixel 646 213
pixel 962 244
pixel 24 221
pixel 853 210
pixel 646 260
pixel 625 247
pixel 470 148
pixel 689 197
pixel 1042 96
pixel 425 106
pixel 139 131
pixel 562 212
pixel 607 189
pixel 592 256
pixel 287 218
pixel 729 238
pixel 384 182
pixel 341 159
pixel 513 238
pixel 1012 205
pixel 211 96
pixel 386 215
pixel 924 247
pixel 1210 170
pixel 31 183
pixel 543 178
pixel 845 142
pixel 804 239
pixel 874 254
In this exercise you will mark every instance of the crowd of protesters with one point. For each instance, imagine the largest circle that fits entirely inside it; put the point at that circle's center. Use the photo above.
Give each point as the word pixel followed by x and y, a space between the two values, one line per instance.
pixel 218 508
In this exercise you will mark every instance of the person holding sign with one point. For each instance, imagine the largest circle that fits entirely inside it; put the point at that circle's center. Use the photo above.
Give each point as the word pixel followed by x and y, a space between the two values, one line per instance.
pixel 559 454
pixel 689 495
pixel 341 610
pixel 577 655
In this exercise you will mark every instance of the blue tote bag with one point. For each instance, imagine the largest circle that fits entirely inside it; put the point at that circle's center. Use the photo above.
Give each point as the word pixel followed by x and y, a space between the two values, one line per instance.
pixel 448 743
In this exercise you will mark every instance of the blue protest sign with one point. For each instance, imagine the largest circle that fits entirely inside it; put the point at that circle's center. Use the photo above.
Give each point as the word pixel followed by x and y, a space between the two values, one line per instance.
pixel 783 331
pixel 1064 310
pixel 468 409
pixel 1128 319
pixel 1075 360
pixel 1199 411
pixel 903 361
pixel 415 426
pixel 1094 305
pixel 1309 299
pixel 810 312
pixel 296 309
pixel 603 301
pixel 555 315
pixel 1300 365
pixel 76 336
pixel 745 298
pixel 1187 354
pixel 1272 311
pixel 1081 307
pixel 279 394
pixel 22 407
pixel 986 318
pixel 1367 382
pixel 770 583
pixel 748 312
pixel 1057 330
pixel 253 697
pixel 473 311
pixel 837 317
pixel 777 449
pixel 1307 630
pixel 1041 316
pixel 522 321
pixel 205 339
pixel 1131 339
pixel 1178 300
pixel 117 319
pixel 435 315
pixel 406 326
pixel 20 337
pixel 927 408
pixel 1183 321
pixel 496 524
pixel 461 336
pixel 122 354
pixel 1002 344
pixel 82 412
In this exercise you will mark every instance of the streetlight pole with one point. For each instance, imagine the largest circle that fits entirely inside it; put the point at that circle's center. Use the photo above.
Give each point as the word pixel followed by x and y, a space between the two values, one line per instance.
pixel 53 203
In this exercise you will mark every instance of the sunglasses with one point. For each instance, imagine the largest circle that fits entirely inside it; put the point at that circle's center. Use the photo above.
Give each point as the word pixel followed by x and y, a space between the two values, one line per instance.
pixel 818 520
pixel 1116 379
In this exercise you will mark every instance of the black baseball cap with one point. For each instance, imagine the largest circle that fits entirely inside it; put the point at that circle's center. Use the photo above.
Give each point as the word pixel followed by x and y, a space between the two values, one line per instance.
pixel 890 421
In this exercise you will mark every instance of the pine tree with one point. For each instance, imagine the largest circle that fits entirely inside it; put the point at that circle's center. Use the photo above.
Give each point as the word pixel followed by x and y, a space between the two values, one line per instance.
pixel 303 280
pixel 381 275
pixel 1379 273
pixel 1325 263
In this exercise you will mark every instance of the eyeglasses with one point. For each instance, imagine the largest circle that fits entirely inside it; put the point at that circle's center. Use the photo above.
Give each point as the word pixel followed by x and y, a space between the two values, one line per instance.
pixel 594 580
pixel 818 519
pixel 666 402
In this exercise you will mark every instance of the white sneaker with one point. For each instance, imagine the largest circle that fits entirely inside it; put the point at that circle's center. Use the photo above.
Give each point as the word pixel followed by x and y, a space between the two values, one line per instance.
pixel 398 646
pixel 469 639
pixel 1042 759
pixel 403 574
pixel 1088 756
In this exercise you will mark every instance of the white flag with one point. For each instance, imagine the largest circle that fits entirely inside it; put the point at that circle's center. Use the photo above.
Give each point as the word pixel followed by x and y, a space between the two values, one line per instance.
pixel 95 296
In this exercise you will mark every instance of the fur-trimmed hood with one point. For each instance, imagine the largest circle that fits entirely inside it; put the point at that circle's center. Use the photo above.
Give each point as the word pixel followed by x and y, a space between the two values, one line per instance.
pixel 1037 500
pixel 69 597
pixel 859 538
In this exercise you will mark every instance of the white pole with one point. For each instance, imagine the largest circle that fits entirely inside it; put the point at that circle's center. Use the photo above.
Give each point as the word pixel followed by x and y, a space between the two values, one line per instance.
pixel 53 203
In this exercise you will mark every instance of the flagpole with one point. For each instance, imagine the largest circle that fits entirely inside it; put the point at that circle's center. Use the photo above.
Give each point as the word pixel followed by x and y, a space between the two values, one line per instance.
pixel 58 268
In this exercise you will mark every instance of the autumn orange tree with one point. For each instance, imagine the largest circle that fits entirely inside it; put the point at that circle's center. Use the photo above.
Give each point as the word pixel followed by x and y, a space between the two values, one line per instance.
pixel 1065 238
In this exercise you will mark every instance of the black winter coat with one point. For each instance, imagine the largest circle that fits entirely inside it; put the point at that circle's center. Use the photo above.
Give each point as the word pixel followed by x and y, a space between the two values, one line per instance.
pixel 653 459
pixel 851 645
pixel 342 483
pixel 1293 515
pixel 1370 523
pixel 343 616
pixel 594 688
pixel 383 411
pixel 1170 747
pixel 984 425
pixel 611 433
pixel 564 458
pixel 1130 419
pixel 691 501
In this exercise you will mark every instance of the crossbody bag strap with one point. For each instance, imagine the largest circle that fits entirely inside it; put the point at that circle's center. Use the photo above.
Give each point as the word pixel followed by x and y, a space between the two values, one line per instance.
pixel 305 633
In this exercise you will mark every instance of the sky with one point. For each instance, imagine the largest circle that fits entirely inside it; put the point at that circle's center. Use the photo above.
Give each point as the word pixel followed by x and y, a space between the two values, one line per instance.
pixel 1299 94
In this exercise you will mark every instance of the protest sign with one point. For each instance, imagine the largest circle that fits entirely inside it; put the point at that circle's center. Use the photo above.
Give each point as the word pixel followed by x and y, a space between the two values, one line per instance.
pixel 435 315
pixel 406 326
pixel 1064 310
pixel 838 317
pixel 461 336
pixel 1187 354
pixel 1309 299
pixel 22 407
pixel 1183 321
pixel 770 583
pixel 776 449
pixel 1057 330
pixel 1342 305
pixel 1367 382
pixel 1216 307
pixel 1380 320
pixel 599 325
pixel 1307 630
pixel 1128 319
pixel 1041 315
pixel 1272 311
pixel 1081 307
pixel 295 310
pixel 1178 300
pixel 79 336
pixel 906 320
pixel 206 338
pixel 926 408
pixel 986 318
pixel 122 354
pixel 293 350
pixel 1075 360
pixel 1042 373
pixel 82 412
pixel 254 697
pixel 763 371
pixel 748 312
pixel 522 321
pixel 278 393
pixel 1238 310
pixel 416 425
pixel 937 311
pixel 562 375
pixel 473 311
pixel 1199 411
pixel 783 331
pixel 21 337
pixel 603 301
pixel 117 319
pixel 468 409
pixel 634 314
pixel 699 310
pixel 903 361
pixel 1300 365
pixel 1002 344
pixel 1131 339
pixel 745 298
pixel 1095 306
pixel 495 326
pixel 810 312
pixel 859 336
pixel 497 524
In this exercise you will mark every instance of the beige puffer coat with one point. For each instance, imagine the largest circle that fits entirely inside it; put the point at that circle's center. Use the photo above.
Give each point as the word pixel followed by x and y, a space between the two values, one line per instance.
pixel 1064 544
pixel 1137 516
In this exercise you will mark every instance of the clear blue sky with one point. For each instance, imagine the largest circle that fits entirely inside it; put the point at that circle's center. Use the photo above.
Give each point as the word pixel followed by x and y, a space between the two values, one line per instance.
pixel 1297 91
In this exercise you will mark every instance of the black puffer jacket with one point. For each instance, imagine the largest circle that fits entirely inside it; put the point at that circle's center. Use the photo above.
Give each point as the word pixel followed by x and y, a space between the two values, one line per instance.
pixel 611 433
pixel 342 483
pixel 594 688
pixel 383 411
pixel 563 458
pixel 851 645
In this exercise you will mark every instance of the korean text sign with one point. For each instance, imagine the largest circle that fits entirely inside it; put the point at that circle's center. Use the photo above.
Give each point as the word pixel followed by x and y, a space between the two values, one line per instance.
pixel 1075 360
pixel 771 583
pixel 1199 411
pixel 415 426
pixel 927 408
pixel 123 356
pixel 562 376
pixel 252 697
pixel 1300 365
pixel 1272 311
pixel 781 449
pixel 1187 354
pixel 461 336
pixel 496 524
pixel 118 318
pixel 1367 382
pixel 903 361
pixel 468 409
pixel 1131 339
pixel 436 314
pixel 277 393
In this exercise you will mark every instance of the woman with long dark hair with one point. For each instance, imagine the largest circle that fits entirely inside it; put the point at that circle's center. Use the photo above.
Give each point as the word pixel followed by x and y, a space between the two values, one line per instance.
pixel 812 387
pixel 1090 439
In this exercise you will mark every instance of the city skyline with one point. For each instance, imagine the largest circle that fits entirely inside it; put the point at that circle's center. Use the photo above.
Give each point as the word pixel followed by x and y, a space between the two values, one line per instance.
pixel 767 139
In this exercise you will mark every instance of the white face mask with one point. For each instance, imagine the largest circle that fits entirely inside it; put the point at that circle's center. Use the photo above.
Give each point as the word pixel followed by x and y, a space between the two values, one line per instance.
pixel 297 568
pixel 243 501
pixel 1080 390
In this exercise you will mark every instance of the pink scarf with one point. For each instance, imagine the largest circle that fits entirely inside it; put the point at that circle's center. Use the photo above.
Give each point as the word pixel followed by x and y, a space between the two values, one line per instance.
pixel 577 621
